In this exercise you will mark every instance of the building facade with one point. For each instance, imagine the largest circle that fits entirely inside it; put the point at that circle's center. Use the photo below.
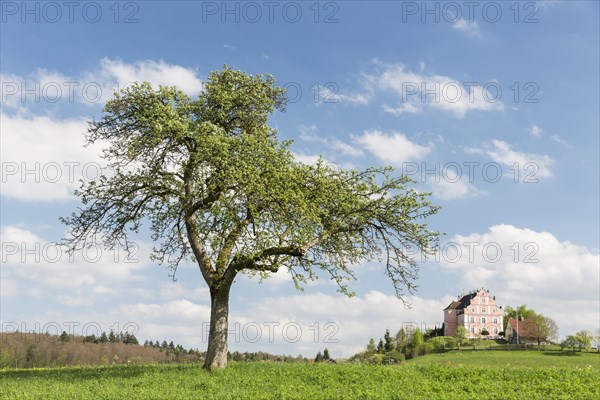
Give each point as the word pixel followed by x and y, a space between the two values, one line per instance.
pixel 476 311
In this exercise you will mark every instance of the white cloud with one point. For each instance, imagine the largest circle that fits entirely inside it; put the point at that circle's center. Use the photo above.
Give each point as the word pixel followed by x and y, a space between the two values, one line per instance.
pixel 470 28
pixel 395 147
pixel 528 166
pixel 531 165
pixel 418 92
pixel 155 72
pixel 331 94
pixel 454 188
pixel 555 138
pixel 45 268
pixel 310 134
pixel 93 87
pixel 406 108
pixel 523 266
pixel 536 131
pixel 43 158
pixel 309 159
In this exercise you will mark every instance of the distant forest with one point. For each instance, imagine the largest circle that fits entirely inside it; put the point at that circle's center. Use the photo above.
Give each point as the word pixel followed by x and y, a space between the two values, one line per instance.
pixel 39 350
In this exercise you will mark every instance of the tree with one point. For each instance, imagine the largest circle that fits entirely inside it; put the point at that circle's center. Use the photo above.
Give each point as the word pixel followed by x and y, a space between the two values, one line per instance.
pixel 112 338
pixel 584 339
pixel 326 356
pixel 216 186
pixel 484 332
pixel 319 357
pixel 596 340
pixel 401 341
pixel 388 344
pixel 371 346
pixel 460 335
pixel 380 347
pixel 522 311
pixel 570 341
pixel 541 328
pixel 64 337
pixel 103 338
pixel 416 343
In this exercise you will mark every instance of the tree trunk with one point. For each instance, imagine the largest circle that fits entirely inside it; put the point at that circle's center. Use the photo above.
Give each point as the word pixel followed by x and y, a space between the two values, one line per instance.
pixel 216 354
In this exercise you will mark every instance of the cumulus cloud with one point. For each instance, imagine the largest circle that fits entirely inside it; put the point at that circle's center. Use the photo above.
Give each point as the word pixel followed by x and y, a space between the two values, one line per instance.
pixel 43 158
pixel 155 72
pixel 531 165
pixel 43 155
pixel 95 86
pixel 41 267
pixel 395 147
pixel 525 167
pixel 418 92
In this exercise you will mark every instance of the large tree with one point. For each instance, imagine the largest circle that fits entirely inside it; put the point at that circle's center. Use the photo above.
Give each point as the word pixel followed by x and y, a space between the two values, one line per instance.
pixel 216 186
pixel 541 328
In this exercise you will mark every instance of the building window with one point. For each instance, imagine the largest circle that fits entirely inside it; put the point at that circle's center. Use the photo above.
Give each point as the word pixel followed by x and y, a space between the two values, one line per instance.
pixel 472 330
pixel 495 320
pixel 471 319
pixel 495 310
pixel 483 310
pixel 483 300
pixel 495 331
pixel 483 320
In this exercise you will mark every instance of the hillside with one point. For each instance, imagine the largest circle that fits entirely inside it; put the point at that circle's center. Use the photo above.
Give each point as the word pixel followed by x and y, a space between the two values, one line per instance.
pixel 30 350
pixel 513 358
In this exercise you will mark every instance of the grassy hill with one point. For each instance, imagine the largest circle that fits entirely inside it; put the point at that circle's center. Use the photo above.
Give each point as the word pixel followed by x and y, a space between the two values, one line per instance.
pixel 513 358
pixel 453 375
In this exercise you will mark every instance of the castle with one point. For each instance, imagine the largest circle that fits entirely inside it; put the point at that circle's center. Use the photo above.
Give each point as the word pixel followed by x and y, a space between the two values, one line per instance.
pixel 476 311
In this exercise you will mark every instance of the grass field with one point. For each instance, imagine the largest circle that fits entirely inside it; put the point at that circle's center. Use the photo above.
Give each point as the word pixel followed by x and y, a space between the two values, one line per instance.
pixel 453 375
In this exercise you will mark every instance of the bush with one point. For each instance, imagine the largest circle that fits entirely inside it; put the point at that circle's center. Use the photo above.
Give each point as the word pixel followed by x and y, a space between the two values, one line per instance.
pixel 436 344
pixel 393 357
pixel 375 359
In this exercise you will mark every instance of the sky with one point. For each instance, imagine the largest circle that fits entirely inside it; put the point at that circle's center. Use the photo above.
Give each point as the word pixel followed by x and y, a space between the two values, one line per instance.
pixel 490 106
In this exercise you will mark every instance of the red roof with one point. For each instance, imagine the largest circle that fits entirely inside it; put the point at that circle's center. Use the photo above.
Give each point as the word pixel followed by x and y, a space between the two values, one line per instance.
pixel 526 327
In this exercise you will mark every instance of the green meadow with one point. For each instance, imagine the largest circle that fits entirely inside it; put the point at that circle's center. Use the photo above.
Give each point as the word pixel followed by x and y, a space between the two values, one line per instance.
pixel 453 375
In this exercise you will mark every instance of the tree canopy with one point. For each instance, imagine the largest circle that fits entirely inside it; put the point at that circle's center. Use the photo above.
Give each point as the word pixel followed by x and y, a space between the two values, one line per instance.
pixel 216 186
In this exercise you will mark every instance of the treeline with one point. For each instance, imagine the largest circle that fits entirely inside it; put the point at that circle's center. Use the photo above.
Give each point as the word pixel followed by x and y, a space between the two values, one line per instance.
pixel 404 345
pixel 262 356
pixel 40 350
pixel 31 350
pixel 121 337
pixel 171 348
pixel 581 340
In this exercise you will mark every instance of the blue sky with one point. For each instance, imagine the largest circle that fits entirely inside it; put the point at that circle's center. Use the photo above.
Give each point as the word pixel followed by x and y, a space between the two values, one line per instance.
pixel 492 106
